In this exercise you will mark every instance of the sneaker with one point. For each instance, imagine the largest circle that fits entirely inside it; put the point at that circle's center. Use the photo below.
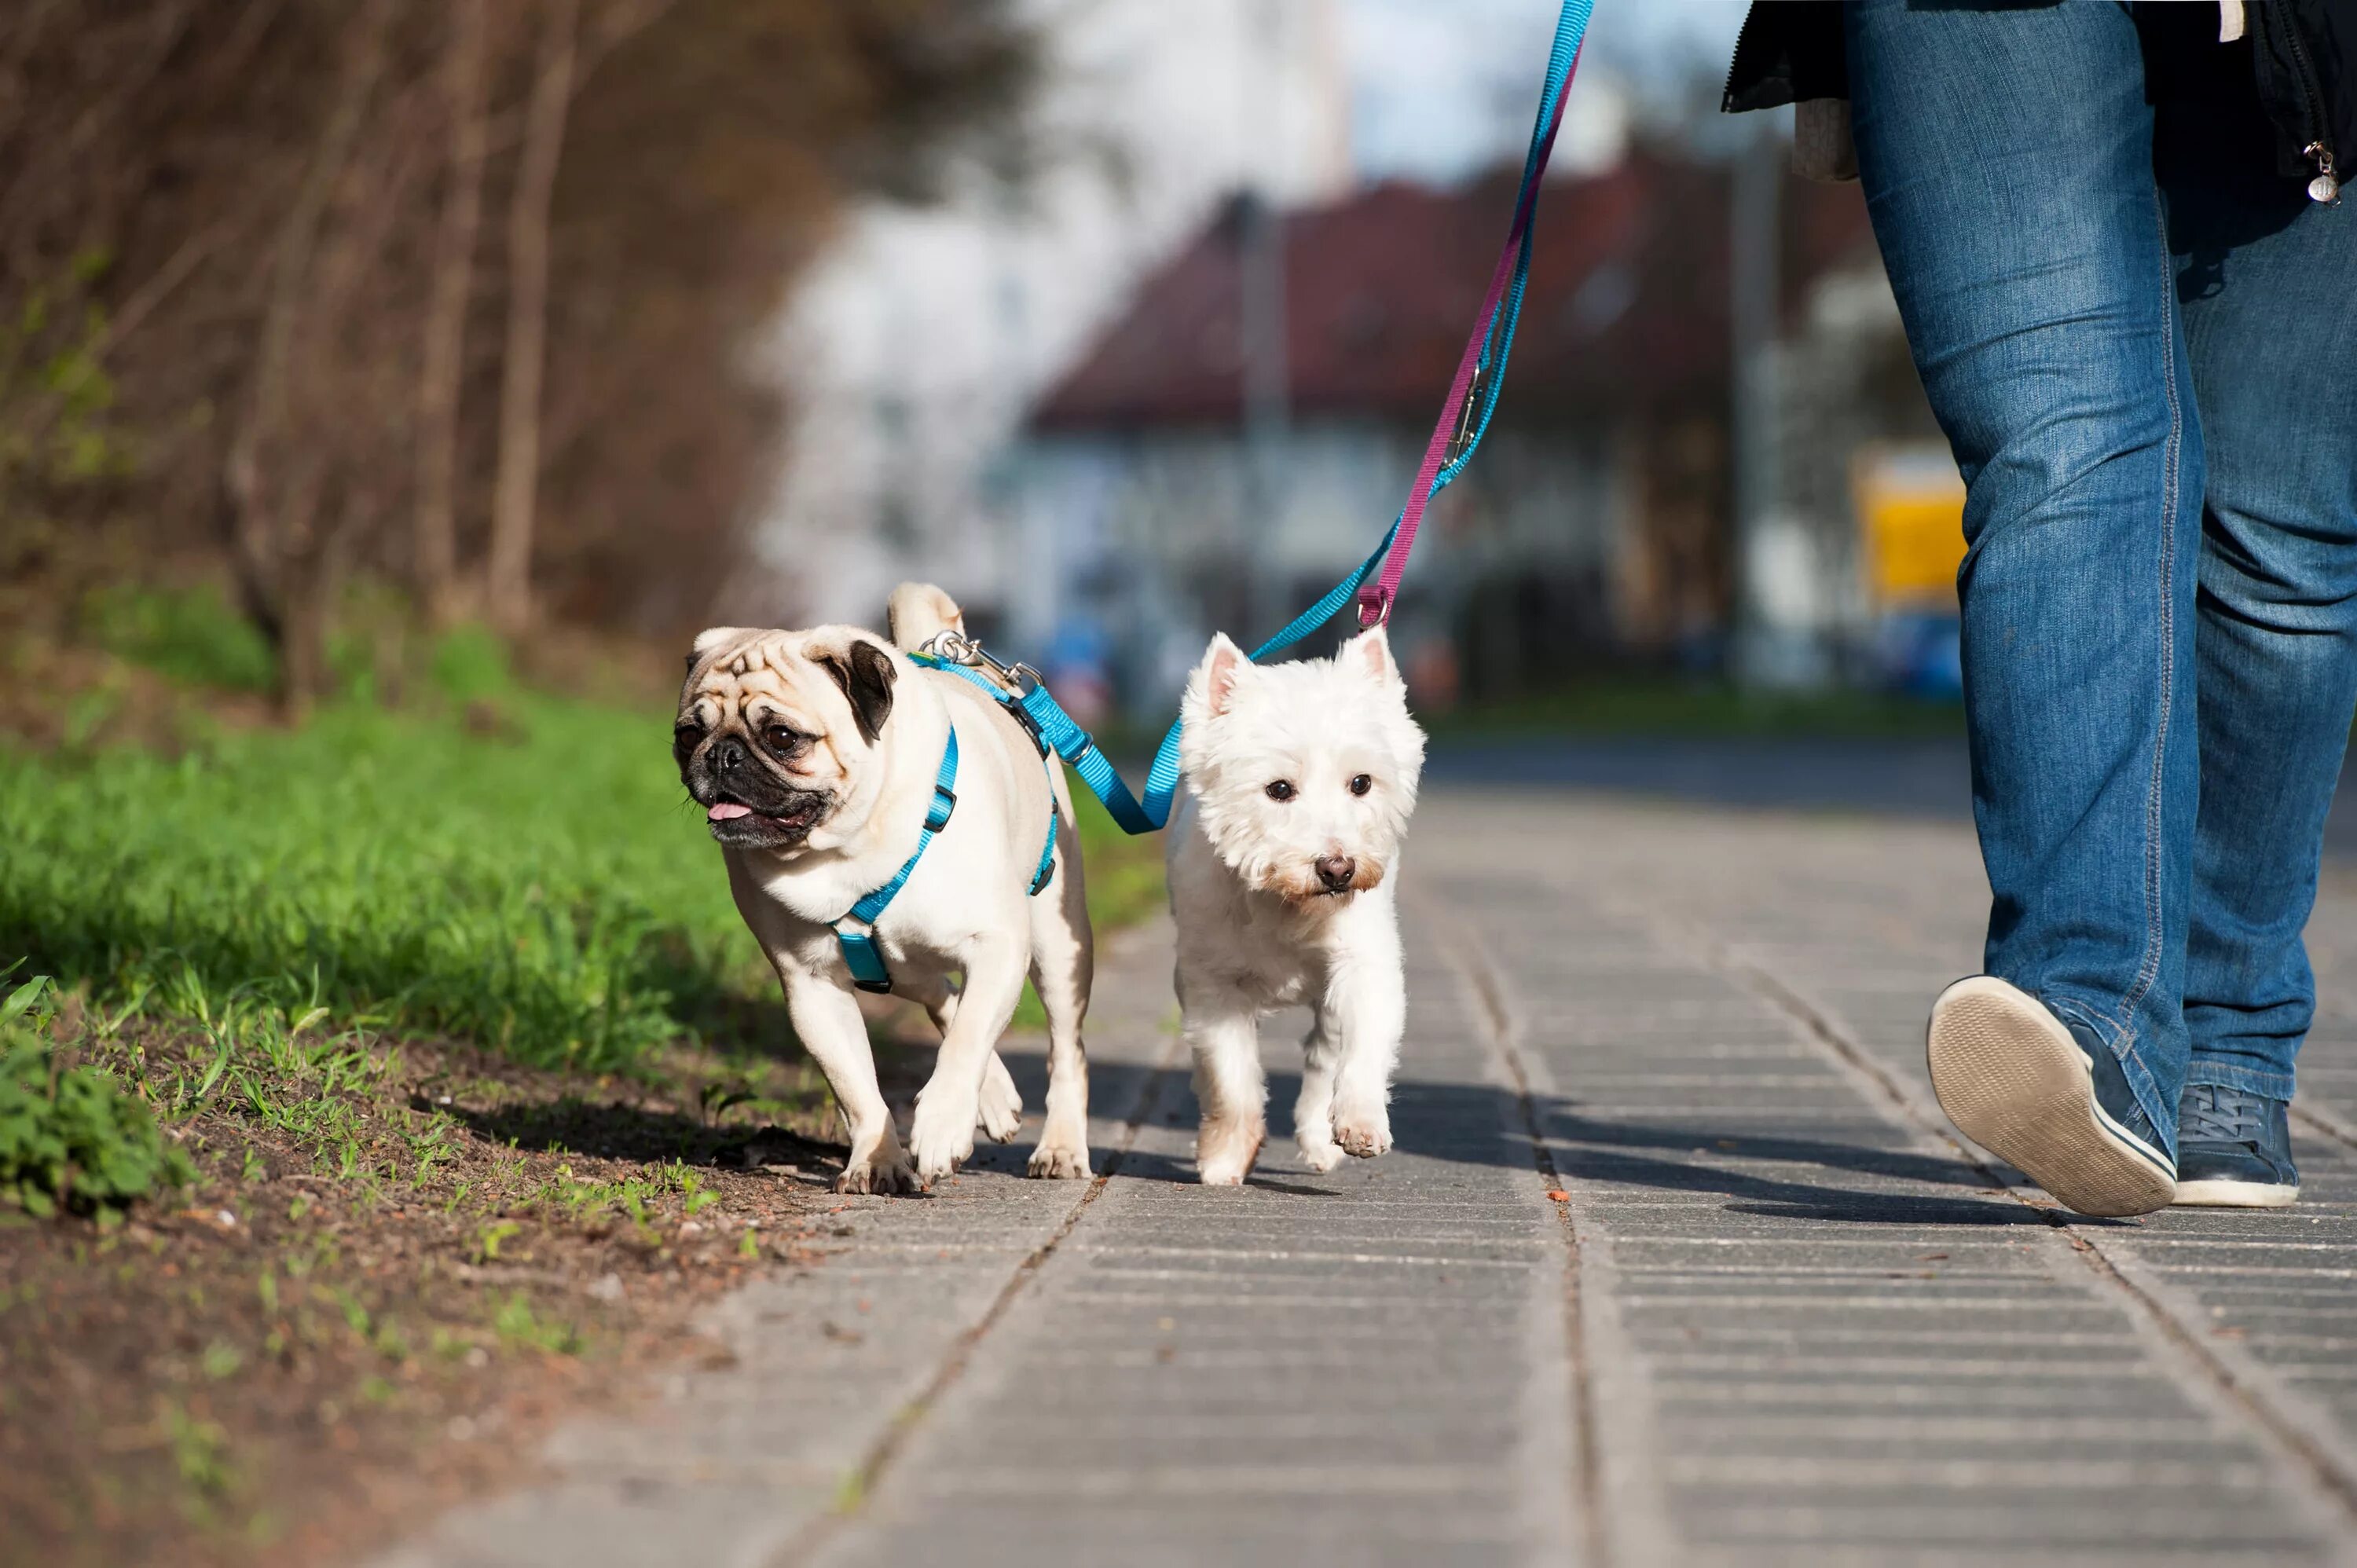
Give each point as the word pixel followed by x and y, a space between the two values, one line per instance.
pixel 2016 1082
pixel 2234 1150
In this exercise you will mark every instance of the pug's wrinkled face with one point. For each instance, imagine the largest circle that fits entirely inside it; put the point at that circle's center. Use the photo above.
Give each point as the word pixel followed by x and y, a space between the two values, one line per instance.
pixel 778 730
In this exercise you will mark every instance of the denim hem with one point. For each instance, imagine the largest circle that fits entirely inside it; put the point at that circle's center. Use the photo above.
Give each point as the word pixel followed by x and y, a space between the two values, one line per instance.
pixel 2229 1075
pixel 2121 1044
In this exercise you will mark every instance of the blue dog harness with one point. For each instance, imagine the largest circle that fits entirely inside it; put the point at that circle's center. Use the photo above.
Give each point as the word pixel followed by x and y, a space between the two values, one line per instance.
pixel 1021 714
pixel 861 955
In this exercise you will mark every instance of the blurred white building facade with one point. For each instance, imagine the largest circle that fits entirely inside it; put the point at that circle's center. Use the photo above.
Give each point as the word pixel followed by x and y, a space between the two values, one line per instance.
pixel 1063 407
pixel 918 346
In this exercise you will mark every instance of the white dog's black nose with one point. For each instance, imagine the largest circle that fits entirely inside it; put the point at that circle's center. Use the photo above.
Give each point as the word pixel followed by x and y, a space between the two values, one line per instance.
pixel 729 755
pixel 1336 871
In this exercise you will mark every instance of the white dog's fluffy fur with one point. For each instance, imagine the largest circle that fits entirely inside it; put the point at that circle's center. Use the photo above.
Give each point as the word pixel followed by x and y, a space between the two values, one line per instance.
pixel 1297 777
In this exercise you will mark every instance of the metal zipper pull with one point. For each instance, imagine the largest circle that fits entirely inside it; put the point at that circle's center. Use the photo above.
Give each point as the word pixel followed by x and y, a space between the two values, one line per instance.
pixel 2325 188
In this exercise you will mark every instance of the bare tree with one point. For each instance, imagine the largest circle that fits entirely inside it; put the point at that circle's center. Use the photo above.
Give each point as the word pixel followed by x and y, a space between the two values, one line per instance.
pixel 244 244
pixel 515 492
pixel 434 544
pixel 283 566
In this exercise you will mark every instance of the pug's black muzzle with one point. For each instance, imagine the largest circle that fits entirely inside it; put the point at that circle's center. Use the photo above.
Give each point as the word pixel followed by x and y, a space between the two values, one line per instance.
pixel 745 804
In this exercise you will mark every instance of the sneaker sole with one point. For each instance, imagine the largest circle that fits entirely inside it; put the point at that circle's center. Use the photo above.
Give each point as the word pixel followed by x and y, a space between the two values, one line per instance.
pixel 2225 1194
pixel 2014 1080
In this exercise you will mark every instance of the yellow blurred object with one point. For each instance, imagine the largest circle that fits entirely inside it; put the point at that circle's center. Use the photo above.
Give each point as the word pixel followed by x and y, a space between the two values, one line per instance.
pixel 1910 513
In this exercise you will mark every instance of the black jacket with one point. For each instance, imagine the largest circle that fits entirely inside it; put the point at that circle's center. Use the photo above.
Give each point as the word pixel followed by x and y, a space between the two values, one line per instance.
pixel 2302 55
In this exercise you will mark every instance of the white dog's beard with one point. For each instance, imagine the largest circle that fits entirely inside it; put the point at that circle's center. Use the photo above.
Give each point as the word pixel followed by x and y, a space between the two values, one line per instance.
pixel 1295 879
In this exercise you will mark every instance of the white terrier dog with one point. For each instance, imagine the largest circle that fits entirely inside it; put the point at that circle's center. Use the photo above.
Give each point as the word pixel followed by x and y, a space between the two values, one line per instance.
pixel 1299 780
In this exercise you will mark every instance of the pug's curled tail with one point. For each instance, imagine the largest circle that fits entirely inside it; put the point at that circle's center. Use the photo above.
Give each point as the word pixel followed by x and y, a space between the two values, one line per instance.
pixel 919 612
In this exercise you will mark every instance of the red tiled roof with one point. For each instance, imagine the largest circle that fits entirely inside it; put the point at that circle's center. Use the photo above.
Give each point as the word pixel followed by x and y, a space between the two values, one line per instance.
pixel 1626 303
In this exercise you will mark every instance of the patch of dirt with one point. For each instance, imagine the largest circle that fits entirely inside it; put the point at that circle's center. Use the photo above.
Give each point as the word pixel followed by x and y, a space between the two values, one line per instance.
pixel 398 1266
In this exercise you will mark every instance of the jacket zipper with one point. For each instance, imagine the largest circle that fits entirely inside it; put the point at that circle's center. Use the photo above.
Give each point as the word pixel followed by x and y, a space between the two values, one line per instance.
pixel 2326 186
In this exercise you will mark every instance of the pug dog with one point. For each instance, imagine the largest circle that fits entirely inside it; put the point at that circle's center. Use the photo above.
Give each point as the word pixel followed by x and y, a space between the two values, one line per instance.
pixel 815 755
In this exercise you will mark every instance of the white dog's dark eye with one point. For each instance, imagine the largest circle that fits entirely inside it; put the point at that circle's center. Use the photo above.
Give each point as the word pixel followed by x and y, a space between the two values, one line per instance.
pixel 1281 791
pixel 1362 784
pixel 779 738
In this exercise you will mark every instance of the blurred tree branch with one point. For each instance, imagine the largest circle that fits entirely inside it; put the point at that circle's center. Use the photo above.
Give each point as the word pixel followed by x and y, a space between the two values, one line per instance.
pixel 251 317
pixel 436 545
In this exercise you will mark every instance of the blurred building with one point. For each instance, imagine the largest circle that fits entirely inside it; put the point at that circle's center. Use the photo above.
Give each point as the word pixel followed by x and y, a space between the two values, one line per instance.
pixel 1156 494
pixel 914 348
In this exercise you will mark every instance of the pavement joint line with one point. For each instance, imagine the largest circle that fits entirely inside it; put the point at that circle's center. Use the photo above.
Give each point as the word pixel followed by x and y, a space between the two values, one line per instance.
pixel 872 1469
pixel 1485 993
pixel 2328 1124
pixel 2248 1387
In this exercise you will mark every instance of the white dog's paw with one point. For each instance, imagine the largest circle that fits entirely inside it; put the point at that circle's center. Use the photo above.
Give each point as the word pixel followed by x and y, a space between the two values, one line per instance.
pixel 888 1170
pixel 1060 1162
pixel 1363 1131
pixel 1225 1150
pixel 1321 1157
pixel 1001 1106
pixel 940 1135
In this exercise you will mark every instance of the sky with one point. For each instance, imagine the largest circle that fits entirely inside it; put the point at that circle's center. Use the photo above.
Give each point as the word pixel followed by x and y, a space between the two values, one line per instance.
pixel 1440 89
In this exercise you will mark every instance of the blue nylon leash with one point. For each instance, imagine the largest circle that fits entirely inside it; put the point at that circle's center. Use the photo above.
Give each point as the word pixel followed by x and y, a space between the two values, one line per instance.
pixel 860 954
pixel 1047 867
pixel 1479 394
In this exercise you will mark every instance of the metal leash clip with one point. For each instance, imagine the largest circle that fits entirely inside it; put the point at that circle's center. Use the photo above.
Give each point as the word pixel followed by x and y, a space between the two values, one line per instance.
pixel 1461 441
pixel 956 648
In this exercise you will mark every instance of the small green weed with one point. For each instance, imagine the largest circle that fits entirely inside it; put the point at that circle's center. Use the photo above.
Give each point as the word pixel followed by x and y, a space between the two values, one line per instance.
pixel 487 1241
pixel 71 1137
pixel 200 1450
pixel 520 1327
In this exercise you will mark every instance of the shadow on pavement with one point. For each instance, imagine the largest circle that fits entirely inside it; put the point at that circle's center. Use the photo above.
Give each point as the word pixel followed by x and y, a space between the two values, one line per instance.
pixel 1477 1124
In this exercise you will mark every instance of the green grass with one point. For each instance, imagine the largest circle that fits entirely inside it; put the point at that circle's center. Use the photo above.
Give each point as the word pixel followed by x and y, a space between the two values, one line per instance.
pixel 545 891
pixel 191 635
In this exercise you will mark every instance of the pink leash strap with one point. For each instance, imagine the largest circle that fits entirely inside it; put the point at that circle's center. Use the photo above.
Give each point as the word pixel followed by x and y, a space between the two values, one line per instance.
pixel 1375 599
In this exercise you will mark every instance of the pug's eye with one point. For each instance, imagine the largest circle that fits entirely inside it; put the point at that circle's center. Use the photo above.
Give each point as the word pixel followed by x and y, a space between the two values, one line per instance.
pixel 1282 789
pixel 686 738
pixel 779 738
pixel 1362 784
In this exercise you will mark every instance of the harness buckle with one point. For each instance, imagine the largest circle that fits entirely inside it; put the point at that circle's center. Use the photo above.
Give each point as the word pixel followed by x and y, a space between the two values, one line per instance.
pixel 944 804
pixel 861 957
pixel 1022 715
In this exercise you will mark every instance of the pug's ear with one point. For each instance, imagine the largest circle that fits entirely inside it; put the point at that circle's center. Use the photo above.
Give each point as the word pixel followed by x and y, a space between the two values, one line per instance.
pixel 866 674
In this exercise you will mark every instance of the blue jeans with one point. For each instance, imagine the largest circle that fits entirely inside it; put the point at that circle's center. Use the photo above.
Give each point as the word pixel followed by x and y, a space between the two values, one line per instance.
pixel 2142 345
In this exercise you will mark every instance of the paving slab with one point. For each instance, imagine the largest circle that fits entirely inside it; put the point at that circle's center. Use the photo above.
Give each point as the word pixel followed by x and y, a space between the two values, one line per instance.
pixel 1674 1262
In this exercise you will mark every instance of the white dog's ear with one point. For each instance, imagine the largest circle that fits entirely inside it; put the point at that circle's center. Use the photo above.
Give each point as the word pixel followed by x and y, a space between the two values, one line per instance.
pixel 1213 690
pixel 1370 653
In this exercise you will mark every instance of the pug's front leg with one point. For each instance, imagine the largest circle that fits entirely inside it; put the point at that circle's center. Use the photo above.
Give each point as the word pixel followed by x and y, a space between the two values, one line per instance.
pixel 940 1135
pixel 827 1018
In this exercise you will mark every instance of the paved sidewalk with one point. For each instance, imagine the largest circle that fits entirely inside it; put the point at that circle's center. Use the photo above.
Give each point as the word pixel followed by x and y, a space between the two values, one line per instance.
pixel 1776 1314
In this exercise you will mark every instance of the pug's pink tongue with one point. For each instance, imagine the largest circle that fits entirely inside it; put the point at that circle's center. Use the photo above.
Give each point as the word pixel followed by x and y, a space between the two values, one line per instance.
pixel 727 812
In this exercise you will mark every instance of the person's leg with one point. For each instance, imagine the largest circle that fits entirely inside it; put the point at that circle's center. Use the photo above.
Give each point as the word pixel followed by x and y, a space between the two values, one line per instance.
pixel 2271 330
pixel 2006 159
